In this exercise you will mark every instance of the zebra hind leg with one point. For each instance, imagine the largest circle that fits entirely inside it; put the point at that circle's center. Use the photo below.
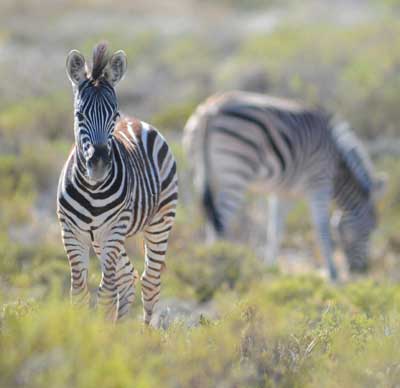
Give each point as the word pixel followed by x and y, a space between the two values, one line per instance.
pixel 277 212
pixel 320 203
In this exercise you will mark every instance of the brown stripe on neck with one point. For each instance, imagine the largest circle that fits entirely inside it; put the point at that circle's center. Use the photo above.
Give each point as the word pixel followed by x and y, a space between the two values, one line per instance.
pixel 126 126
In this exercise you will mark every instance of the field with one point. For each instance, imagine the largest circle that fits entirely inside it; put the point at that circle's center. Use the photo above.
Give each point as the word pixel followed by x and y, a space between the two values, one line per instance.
pixel 224 320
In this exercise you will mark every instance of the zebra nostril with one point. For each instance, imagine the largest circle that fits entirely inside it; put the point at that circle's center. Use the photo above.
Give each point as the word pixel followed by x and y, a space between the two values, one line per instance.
pixel 90 151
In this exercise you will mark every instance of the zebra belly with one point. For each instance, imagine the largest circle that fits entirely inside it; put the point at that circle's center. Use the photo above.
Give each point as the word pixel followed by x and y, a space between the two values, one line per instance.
pixel 291 186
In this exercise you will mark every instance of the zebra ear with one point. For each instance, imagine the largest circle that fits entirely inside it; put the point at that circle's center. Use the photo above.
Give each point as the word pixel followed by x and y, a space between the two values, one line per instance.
pixel 116 67
pixel 76 67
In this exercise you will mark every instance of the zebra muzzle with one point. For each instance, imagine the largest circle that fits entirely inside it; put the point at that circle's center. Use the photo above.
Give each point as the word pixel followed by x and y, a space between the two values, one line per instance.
pixel 99 163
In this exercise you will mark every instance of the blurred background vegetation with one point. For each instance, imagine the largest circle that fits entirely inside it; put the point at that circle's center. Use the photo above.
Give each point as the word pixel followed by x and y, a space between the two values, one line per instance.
pixel 228 321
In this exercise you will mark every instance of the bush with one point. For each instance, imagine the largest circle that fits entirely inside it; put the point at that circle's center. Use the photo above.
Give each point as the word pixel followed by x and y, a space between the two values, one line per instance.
pixel 204 271
pixel 351 70
pixel 33 118
pixel 258 341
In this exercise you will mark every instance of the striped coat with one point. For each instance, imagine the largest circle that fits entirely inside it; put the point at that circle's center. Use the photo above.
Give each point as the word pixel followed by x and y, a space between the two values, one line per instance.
pixel 236 140
pixel 120 179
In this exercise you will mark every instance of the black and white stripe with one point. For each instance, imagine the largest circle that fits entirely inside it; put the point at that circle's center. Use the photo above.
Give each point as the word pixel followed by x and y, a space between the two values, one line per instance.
pixel 120 179
pixel 239 139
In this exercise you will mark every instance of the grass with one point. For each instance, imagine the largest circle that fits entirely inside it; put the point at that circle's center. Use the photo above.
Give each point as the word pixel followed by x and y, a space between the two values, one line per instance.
pixel 340 67
pixel 289 332
pixel 48 116
pixel 174 118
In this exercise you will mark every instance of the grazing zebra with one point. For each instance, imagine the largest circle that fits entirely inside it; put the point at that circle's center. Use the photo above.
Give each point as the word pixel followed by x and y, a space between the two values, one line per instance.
pixel 120 178
pixel 236 139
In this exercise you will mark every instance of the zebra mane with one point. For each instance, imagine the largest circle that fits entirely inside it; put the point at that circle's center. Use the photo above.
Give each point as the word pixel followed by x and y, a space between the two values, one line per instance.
pixel 100 60
pixel 353 155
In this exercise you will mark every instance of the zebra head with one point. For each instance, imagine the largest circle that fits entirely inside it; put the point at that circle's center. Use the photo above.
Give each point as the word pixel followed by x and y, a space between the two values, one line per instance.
pixel 354 230
pixel 355 225
pixel 95 107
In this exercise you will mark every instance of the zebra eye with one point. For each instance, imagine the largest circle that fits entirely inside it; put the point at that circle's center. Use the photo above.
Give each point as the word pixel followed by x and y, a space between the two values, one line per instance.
pixel 109 144
pixel 116 116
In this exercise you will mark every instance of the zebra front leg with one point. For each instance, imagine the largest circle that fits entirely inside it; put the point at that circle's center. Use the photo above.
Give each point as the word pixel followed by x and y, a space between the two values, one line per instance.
pixel 277 212
pixel 126 279
pixel 155 242
pixel 319 203
pixel 78 257
pixel 107 295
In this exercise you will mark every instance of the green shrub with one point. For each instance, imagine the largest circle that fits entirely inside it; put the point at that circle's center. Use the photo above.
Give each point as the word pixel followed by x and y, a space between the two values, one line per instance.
pixel 174 117
pixel 137 45
pixel 259 340
pixel 38 117
pixel 218 268
pixel 351 70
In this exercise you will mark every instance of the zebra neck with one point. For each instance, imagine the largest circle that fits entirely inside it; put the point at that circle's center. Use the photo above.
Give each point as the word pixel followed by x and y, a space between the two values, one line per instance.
pixel 361 211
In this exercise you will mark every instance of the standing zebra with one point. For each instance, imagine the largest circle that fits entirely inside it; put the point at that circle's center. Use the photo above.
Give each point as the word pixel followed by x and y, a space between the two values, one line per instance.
pixel 236 139
pixel 120 178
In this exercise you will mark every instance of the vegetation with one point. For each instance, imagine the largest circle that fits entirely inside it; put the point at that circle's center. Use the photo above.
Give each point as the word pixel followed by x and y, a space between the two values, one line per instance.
pixel 224 319
pixel 290 332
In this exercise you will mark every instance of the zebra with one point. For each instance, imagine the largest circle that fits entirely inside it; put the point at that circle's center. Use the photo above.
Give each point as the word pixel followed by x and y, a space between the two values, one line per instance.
pixel 119 179
pixel 238 139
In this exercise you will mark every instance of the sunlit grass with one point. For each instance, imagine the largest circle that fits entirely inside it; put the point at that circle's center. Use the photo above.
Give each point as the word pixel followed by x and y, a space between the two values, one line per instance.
pixel 278 333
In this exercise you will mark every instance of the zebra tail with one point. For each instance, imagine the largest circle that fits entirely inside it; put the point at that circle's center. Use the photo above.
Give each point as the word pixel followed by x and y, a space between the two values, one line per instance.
pixel 210 209
pixel 196 145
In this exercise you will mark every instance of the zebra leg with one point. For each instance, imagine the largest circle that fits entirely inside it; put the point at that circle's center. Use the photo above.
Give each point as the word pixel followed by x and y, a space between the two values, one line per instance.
pixel 320 202
pixel 107 294
pixel 210 234
pixel 78 257
pixel 155 242
pixel 277 212
pixel 126 279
